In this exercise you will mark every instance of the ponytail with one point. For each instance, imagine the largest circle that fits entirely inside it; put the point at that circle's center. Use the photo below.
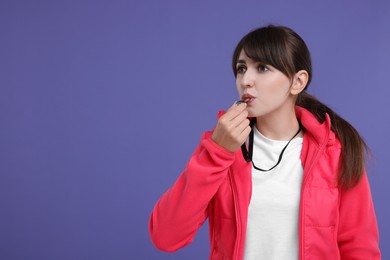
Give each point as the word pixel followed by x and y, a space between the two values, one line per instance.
pixel 354 149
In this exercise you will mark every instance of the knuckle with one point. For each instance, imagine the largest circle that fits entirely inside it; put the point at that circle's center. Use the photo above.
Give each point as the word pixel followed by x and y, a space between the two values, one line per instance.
pixel 222 121
pixel 230 129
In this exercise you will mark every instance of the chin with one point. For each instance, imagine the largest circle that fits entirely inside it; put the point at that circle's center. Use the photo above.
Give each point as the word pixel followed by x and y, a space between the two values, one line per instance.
pixel 253 113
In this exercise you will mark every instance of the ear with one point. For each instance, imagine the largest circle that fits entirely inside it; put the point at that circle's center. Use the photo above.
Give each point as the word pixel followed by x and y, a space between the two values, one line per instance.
pixel 299 82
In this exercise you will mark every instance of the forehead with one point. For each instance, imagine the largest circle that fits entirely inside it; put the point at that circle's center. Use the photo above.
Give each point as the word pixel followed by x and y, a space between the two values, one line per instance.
pixel 243 58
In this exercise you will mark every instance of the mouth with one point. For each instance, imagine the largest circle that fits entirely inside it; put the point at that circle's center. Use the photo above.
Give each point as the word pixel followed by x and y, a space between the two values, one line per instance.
pixel 247 98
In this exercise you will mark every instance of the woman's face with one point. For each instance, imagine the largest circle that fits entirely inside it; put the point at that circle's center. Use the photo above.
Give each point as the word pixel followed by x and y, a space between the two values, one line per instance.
pixel 265 89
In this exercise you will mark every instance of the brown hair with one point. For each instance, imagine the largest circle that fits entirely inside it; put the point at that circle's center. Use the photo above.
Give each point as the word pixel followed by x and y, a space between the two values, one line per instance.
pixel 285 50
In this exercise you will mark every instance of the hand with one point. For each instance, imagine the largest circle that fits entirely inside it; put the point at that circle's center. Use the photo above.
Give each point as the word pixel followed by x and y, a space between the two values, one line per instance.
pixel 232 128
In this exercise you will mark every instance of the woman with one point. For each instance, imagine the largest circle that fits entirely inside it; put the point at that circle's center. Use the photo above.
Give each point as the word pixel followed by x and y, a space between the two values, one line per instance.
pixel 297 189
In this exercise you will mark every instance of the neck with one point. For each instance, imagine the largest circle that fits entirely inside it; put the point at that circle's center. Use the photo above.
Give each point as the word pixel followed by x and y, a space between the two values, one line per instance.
pixel 279 125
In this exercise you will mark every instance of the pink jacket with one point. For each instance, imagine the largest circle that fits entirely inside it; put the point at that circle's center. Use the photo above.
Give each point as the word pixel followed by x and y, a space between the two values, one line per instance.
pixel 216 184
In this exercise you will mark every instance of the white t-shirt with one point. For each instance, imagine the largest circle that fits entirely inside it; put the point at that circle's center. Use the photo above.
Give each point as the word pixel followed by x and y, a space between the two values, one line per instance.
pixel 272 230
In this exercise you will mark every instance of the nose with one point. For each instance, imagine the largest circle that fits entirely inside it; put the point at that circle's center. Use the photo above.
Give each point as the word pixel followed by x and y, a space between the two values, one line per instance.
pixel 248 79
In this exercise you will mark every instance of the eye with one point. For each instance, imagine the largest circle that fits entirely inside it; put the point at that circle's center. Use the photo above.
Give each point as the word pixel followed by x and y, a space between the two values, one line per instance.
pixel 241 69
pixel 263 68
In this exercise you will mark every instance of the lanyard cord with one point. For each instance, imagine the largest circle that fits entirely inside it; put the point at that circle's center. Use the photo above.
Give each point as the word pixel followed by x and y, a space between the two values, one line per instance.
pixel 248 155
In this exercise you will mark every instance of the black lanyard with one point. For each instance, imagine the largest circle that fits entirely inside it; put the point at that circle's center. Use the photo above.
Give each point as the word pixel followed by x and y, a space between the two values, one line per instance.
pixel 248 155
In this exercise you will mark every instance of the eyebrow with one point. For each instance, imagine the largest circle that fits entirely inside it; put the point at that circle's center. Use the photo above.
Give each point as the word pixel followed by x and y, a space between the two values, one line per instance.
pixel 241 61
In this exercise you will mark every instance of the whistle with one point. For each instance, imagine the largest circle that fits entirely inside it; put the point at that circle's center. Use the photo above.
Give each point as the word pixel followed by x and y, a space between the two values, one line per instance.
pixel 239 102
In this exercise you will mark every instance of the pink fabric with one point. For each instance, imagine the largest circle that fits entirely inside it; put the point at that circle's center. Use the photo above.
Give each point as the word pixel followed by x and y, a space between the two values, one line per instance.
pixel 216 184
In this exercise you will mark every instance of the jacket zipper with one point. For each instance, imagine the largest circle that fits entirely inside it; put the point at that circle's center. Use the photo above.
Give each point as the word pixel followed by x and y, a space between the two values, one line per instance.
pixel 238 236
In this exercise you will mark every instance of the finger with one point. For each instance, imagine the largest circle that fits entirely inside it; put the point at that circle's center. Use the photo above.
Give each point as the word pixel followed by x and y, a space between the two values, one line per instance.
pixel 239 118
pixel 243 125
pixel 245 133
pixel 234 110
pixel 241 128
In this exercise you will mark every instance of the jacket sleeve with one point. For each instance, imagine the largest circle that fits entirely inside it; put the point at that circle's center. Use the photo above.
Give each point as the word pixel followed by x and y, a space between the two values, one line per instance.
pixel 183 208
pixel 358 230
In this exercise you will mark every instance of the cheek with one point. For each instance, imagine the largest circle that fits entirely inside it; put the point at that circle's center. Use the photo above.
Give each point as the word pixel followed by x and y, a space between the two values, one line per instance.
pixel 276 88
pixel 238 88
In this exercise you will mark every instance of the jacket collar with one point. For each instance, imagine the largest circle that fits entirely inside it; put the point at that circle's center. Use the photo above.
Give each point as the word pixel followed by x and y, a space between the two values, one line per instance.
pixel 319 131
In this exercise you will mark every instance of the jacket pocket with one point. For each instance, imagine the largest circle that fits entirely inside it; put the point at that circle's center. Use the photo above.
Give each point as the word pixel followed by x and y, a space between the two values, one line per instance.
pixel 321 206
pixel 224 236
pixel 321 216
pixel 223 203
pixel 321 243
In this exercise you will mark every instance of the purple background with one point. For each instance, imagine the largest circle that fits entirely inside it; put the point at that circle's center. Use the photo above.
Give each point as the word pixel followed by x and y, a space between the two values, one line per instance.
pixel 103 102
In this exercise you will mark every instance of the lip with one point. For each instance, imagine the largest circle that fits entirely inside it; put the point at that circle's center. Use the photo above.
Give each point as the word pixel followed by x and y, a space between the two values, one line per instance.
pixel 247 98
